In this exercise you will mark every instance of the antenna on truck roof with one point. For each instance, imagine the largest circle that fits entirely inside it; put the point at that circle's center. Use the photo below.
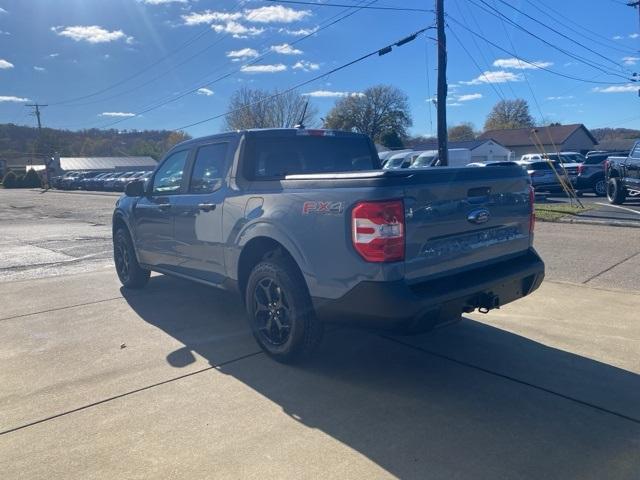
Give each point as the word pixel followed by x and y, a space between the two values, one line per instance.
pixel 304 112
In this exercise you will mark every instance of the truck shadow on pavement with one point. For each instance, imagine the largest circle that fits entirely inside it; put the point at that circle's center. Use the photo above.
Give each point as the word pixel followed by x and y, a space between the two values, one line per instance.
pixel 466 401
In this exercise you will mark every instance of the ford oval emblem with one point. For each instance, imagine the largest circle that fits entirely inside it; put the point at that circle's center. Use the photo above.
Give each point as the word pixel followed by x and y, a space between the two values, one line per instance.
pixel 479 216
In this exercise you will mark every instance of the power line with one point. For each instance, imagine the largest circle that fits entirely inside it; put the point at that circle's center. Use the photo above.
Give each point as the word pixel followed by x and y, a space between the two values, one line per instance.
pixel 397 9
pixel 145 69
pixel 482 74
pixel 566 20
pixel 188 59
pixel 430 101
pixel 557 32
pixel 526 78
pixel 534 64
pixel 335 19
pixel 379 52
pixel 579 58
pixel 475 42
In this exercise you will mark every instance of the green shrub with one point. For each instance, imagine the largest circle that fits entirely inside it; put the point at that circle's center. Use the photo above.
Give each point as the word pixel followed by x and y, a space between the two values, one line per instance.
pixel 31 180
pixel 10 180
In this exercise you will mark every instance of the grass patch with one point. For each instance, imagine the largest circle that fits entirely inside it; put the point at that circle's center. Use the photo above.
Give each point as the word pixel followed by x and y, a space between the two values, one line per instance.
pixel 553 212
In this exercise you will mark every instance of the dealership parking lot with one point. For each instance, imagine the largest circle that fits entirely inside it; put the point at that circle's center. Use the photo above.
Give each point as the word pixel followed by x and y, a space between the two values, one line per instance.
pixel 97 382
pixel 600 210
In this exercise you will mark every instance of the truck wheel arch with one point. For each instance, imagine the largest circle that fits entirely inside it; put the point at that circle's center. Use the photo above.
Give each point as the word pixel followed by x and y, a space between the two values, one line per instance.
pixel 256 250
pixel 119 222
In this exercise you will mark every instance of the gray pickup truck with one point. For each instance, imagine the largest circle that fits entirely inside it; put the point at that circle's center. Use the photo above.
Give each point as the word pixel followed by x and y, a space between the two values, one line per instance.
pixel 308 229
pixel 623 176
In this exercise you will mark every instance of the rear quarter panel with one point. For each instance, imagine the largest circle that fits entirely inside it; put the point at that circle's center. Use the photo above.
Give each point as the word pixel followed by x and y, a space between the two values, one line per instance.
pixel 317 237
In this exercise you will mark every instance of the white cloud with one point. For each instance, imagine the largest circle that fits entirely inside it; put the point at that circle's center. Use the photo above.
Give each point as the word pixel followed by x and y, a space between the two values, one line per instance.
pixel 53 55
pixel 275 14
pixel 454 104
pixel 499 76
pixel 618 37
pixel 468 97
pixel 117 114
pixel 332 94
pixel 285 49
pixel 279 67
pixel 618 88
pixel 634 35
pixel 163 2
pixel 2 32
pixel 298 33
pixel 243 53
pixel 91 34
pixel 305 66
pixel 2 10
pixel 39 69
pixel 208 16
pixel 4 65
pixel 205 91
pixel 268 14
pixel 11 98
pixel 519 64
pixel 561 97
pixel 630 60
pixel 237 29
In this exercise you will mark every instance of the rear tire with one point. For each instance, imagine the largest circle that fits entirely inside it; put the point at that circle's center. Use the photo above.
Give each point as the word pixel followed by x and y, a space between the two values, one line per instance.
pixel 281 314
pixel 600 187
pixel 129 271
pixel 616 193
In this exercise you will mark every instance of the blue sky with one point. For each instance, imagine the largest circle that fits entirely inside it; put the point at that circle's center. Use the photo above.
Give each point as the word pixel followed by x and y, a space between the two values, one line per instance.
pixel 52 51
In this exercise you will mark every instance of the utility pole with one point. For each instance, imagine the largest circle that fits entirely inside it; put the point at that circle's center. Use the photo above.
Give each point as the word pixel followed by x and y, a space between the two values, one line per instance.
pixel 36 106
pixel 443 148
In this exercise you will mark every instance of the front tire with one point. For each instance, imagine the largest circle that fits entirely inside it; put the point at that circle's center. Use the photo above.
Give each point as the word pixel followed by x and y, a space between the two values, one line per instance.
pixel 616 193
pixel 129 271
pixel 281 315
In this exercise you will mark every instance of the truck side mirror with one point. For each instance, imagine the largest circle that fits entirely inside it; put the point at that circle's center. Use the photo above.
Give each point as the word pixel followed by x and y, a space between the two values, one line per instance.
pixel 134 189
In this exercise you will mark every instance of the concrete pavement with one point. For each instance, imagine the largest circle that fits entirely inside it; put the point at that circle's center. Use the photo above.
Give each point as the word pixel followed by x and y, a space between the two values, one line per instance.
pixel 545 388
pixel 167 382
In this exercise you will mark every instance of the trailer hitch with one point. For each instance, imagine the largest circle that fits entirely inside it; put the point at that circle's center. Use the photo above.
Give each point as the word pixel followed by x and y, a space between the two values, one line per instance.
pixel 488 301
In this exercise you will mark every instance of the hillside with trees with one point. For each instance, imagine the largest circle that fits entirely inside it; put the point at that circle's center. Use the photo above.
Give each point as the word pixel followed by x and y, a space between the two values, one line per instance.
pixel 615 138
pixel 20 141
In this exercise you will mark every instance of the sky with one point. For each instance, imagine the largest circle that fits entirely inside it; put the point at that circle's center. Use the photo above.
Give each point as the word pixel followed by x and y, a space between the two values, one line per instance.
pixel 166 64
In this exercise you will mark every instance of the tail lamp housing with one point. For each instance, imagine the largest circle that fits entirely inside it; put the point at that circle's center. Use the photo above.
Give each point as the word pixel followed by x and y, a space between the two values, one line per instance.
pixel 378 230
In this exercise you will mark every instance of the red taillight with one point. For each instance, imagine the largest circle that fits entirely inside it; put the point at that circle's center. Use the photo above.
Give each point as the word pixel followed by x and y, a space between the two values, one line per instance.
pixel 605 165
pixel 532 210
pixel 580 169
pixel 378 230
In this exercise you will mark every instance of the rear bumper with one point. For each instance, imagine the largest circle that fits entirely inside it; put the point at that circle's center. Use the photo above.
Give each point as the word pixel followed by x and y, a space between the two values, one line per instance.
pixel 391 304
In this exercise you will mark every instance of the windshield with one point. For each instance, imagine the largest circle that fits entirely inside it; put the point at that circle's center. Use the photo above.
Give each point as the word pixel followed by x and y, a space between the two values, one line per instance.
pixel 275 157
pixel 422 162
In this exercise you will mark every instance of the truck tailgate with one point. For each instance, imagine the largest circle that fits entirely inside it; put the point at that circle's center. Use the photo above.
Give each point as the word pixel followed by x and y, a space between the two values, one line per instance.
pixel 460 218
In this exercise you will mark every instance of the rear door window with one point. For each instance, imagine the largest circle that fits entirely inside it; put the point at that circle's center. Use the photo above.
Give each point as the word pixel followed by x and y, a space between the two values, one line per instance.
pixel 208 168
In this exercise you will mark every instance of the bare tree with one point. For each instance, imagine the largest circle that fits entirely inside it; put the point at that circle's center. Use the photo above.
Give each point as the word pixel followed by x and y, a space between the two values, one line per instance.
pixel 255 108
pixel 376 111
pixel 509 114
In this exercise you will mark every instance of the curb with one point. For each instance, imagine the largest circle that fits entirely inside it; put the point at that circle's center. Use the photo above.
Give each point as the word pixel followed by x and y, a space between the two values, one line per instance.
pixel 602 223
pixel 79 192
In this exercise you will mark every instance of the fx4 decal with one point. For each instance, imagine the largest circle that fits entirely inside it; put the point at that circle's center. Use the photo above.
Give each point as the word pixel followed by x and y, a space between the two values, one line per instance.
pixel 322 207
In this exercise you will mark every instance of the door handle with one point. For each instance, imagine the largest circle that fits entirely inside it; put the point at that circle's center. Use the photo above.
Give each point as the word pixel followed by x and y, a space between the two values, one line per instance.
pixel 164 206
pixel 206 207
